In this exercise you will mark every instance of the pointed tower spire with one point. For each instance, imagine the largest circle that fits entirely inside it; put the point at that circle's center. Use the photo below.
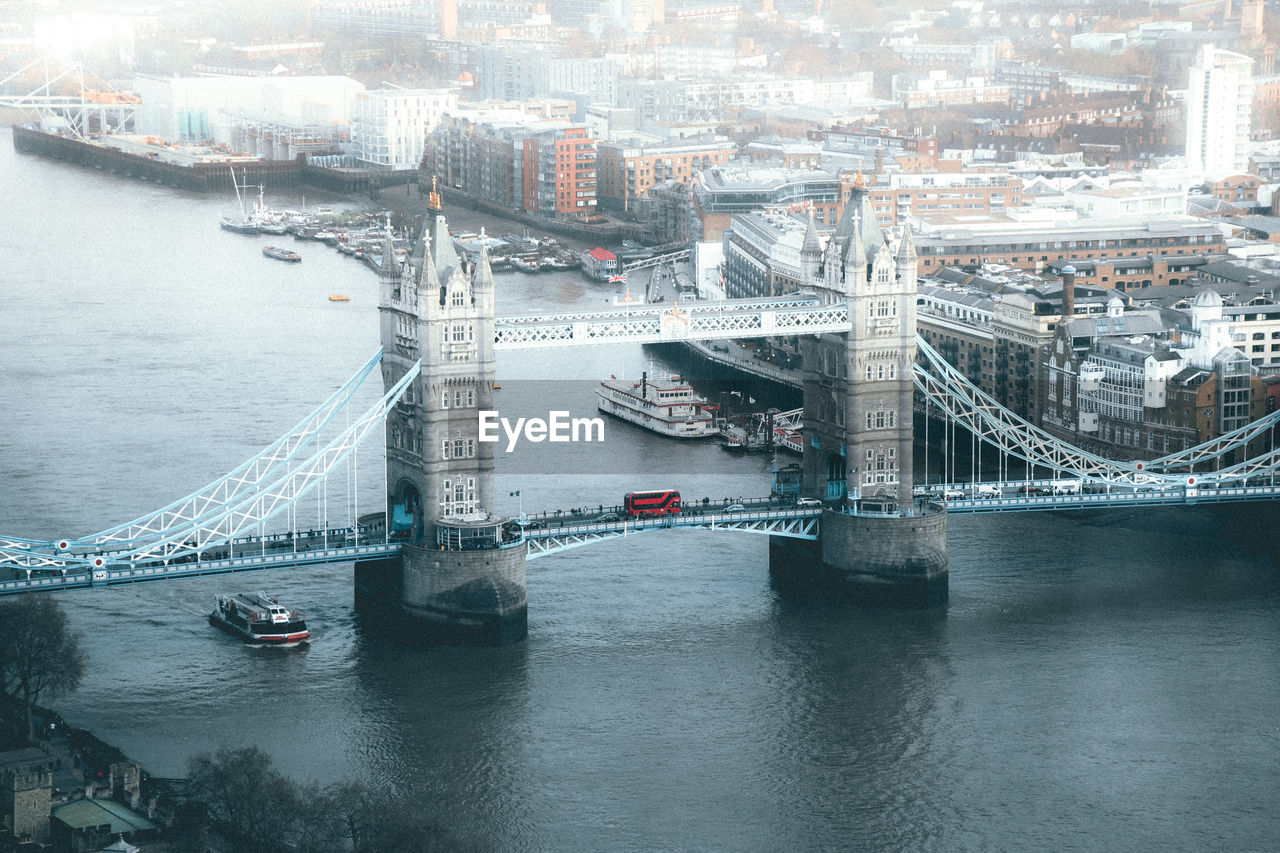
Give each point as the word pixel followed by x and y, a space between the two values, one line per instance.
pixel 810 252
pixel 855 258
pixel 428 290
pixel 389 271
pixel 906 247
pixel 482 280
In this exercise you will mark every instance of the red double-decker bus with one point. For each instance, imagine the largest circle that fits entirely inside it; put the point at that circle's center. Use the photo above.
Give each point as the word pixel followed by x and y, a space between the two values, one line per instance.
pixel 661 502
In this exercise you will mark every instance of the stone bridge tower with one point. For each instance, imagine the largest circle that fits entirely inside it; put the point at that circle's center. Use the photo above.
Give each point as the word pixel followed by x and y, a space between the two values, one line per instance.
pixel 858 395
pixel 460 576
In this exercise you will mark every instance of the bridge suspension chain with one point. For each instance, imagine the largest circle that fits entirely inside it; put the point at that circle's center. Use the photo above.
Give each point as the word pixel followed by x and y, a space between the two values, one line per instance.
pixel 247 511
pixel 249 477
pixel 275 497
pixel 970 407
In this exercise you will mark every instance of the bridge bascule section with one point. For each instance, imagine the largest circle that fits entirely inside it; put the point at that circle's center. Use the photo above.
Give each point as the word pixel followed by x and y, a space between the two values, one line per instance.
pixel 440 556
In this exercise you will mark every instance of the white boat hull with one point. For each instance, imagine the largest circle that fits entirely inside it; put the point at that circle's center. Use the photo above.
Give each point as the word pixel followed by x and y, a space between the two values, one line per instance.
pixel 655 420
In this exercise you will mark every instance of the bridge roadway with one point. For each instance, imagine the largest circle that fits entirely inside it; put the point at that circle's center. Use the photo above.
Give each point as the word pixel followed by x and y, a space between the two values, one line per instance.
pixel 550 533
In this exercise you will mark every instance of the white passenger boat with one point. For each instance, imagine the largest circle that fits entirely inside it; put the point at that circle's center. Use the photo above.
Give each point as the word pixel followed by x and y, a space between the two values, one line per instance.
pixel 259 619
pixel 665 406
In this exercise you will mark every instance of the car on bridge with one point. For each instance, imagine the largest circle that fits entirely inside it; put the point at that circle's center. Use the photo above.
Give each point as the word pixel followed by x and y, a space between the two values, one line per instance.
pixel 951 493
pixel 735 508
pixel 609 516
pixel 986 490
pixel 808 502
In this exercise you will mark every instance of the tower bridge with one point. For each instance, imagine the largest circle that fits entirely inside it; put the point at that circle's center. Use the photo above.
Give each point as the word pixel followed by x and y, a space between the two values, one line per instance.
pixel 437 555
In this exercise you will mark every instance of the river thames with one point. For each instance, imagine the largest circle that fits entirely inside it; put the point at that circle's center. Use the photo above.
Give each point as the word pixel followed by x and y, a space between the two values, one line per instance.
pixel 1097 681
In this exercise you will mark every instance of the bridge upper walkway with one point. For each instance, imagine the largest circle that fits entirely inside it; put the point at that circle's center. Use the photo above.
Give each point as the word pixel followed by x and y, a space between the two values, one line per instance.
pixel 649 323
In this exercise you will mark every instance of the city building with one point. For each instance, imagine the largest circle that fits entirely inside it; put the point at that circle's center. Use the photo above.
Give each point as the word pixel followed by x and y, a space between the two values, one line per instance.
pixel 955 319
pixel 560 173
pixel 1219 107
pixel 1241 190
pixel 975 55
pixel 717 100
pixel 519 161
pixel 762 254
pixel 383 19
pixel 938 90
pixel 897 197
pixel 1032 246
pixel 389 127
pixel 1152 381
pixel 226 109
pixel 539 71
pixel 1134 273
pixel 858 139
pixel 722 191
pixel 627 169
pixel 790 154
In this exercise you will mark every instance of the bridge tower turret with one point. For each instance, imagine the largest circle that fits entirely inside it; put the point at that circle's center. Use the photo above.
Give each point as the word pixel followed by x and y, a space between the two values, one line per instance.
pixel 460 575
pixel 858 395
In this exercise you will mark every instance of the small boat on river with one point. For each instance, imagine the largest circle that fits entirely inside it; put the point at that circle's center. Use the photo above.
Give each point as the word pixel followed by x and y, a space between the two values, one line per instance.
pixel 281 254
pixel 259 619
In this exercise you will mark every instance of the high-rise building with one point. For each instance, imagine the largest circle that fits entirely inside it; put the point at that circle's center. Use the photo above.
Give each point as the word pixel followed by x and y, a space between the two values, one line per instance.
pixel 1219 110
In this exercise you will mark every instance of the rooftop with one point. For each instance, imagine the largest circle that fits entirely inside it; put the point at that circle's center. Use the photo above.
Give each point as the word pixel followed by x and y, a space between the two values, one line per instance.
pixel 738 178
pixel 79 814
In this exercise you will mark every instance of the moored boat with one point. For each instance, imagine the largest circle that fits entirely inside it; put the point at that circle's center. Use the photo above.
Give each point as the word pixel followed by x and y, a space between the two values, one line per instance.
pixel 281 254
pixel 259 619
pixel 240 226
pixel 666 406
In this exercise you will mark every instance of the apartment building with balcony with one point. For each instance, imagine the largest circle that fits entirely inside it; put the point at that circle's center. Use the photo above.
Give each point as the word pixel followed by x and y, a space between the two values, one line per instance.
pixel 515 160
pixel 628 168
pixel 384 19
pixel 389 127
pixel 762 254
pixel 560 173
pixel 938 90
pixel 717 100
pixel 897 197
pixel 976 55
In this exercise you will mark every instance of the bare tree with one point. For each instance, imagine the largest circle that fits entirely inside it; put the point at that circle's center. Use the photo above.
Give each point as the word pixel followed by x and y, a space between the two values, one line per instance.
pixel 354 806
pixel 248 800
pixel 39 656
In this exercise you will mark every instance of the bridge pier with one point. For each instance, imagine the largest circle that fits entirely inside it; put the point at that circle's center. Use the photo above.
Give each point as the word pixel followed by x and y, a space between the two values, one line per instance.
pixel 452 597
pixel 868 559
